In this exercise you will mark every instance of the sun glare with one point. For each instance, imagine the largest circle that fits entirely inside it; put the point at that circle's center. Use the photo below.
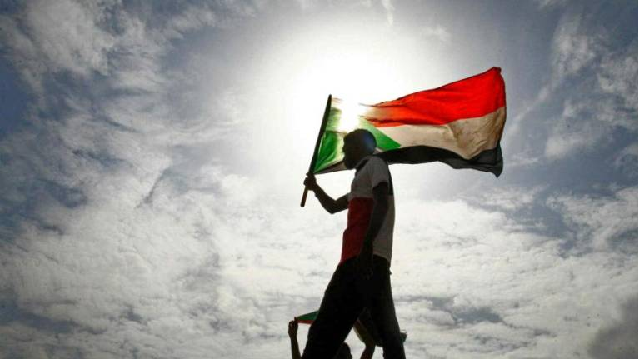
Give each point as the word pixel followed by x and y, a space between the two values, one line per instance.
pixel 357 67
pixel 350 112
pixel 355 62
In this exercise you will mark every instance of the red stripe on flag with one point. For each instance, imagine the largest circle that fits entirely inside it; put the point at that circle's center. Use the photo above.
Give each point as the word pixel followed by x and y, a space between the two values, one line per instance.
pixel 474 96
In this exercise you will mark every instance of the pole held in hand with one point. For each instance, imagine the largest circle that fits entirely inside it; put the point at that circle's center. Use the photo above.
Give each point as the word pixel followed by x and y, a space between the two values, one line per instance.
pixel 304 196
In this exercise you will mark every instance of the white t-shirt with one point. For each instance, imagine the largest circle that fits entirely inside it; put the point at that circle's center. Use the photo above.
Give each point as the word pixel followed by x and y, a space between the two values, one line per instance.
pixel 371 171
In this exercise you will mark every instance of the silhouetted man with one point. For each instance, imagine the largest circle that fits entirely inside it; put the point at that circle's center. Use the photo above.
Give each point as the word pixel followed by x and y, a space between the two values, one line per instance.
pixel 362 278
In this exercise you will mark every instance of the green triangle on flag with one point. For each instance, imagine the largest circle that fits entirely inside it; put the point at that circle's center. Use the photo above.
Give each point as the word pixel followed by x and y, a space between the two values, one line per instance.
pixel 338 125
pixel 307 318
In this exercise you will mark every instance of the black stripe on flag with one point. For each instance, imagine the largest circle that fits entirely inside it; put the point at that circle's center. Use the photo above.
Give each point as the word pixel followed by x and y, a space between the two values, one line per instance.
pixel 486 161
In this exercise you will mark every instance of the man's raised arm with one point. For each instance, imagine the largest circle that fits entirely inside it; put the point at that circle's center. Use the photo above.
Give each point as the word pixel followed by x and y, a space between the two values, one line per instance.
pixel 328 203
pixel 294 345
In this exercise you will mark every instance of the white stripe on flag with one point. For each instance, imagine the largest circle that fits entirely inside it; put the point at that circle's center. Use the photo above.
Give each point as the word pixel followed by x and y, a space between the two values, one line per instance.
pixel 466 137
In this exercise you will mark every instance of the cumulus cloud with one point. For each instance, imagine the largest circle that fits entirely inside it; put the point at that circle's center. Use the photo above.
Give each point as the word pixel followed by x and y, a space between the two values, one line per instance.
pixel 133 222
pixel 615 79
pixel 469 283
pixel 589 79
pixel 508 198
pixel 585 58
pixel 601 222
pixel 577 129
pixel 617 341
pixel 574 47
pixel 106 240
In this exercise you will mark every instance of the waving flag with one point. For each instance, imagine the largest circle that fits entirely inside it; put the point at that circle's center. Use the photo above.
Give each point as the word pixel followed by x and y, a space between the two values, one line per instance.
pixel 307 318
pixel 459 124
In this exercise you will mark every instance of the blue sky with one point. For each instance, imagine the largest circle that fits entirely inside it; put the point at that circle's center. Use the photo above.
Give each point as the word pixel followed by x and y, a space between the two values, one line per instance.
pixel 152 154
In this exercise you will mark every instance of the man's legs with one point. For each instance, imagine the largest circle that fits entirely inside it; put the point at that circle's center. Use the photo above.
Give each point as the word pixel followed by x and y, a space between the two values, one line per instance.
pixel 339 309
pixel 381 308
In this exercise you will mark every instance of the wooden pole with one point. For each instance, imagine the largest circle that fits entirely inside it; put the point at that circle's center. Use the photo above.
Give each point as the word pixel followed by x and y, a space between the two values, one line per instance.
pixel 324 121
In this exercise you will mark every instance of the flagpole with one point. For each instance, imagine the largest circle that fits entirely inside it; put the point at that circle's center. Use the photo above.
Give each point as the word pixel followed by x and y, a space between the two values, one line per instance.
pixel 324 121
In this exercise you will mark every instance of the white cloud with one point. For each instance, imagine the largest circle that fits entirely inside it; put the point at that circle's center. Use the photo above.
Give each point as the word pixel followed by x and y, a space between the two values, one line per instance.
pixel 602 223
pixel 592 78
pixel 573 47
pixel 618 341
pixel 595 81
pixel 437 32
pixel 490 271
pixel 125 275
pixel 551 3
pixel 144 242
pixel 522 159
pixel 574 135
pixel 509 198
pixel 389 10
pixel 616 78
pixel 48 41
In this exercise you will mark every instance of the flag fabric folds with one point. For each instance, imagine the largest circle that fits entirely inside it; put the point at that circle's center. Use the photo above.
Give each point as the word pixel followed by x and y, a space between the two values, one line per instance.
pixel 459 124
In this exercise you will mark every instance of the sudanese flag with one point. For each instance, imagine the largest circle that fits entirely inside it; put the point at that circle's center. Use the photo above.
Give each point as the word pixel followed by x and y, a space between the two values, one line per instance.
pixel 459 124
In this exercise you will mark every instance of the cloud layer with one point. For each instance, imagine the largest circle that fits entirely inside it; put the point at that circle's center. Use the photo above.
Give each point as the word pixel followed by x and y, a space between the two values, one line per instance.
pixel 149 189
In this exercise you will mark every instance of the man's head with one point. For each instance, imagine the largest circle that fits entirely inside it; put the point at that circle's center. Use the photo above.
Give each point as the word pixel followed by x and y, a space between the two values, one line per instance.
pixel 343 352
pixel 356 145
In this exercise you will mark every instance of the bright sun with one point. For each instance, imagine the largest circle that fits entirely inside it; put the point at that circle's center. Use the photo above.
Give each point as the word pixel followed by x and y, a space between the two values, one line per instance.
pixel 357 62
pixel 350 112
pixel 354 76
